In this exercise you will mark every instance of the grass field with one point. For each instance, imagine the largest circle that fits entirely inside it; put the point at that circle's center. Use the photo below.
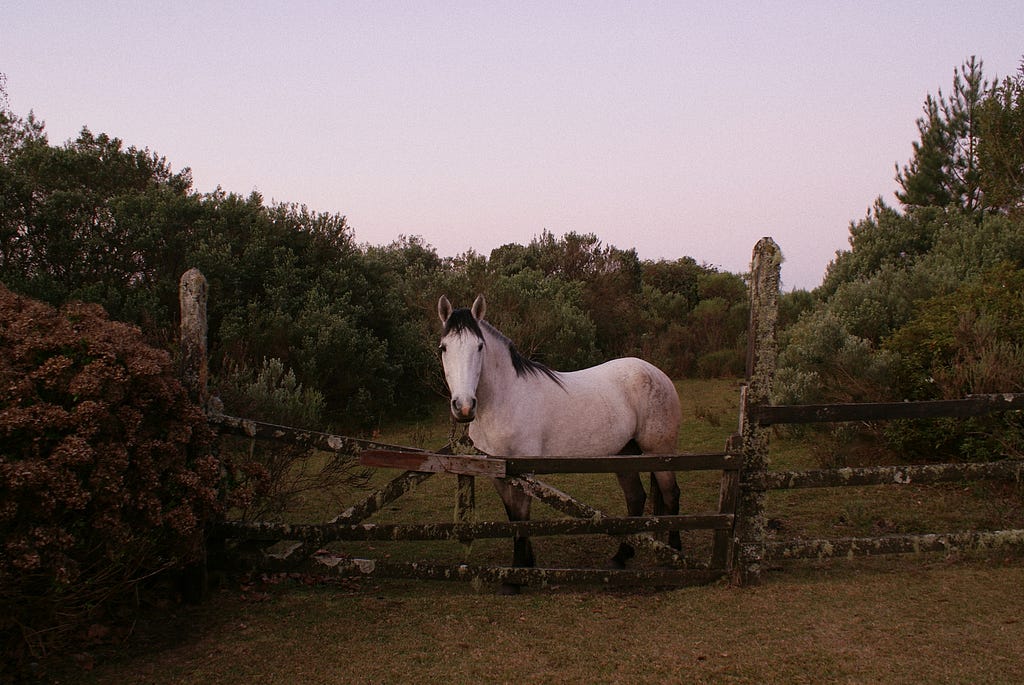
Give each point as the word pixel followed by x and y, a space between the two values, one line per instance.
pixel 890 620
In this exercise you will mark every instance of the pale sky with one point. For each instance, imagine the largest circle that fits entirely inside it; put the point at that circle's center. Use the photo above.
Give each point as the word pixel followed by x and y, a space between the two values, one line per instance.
pixel 676 128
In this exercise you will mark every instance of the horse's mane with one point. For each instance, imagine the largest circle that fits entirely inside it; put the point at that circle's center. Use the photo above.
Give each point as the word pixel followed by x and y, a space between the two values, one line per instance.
pixel 462 319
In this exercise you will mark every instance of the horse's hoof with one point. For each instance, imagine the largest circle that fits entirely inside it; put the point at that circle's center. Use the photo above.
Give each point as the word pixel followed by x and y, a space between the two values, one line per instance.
pixel 508 589
pixel 615 564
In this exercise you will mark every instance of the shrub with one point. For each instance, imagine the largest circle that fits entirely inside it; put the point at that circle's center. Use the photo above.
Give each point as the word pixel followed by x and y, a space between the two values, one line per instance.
pixel 725 363
pixel 272 479
pixel 106 473
pixel 963 343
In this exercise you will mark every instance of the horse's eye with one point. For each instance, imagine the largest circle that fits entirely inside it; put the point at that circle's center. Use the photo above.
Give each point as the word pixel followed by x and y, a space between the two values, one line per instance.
pixel 480 347
pixel 443 348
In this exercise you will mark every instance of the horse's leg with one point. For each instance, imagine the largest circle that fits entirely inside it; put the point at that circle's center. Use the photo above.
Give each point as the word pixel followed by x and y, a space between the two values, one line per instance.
pixel 517 506
pixel 633 489
pixel 665 491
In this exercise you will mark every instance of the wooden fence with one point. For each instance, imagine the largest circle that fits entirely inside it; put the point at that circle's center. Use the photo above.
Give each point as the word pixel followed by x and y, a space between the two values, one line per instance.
pixel 741 544
pixel 753 546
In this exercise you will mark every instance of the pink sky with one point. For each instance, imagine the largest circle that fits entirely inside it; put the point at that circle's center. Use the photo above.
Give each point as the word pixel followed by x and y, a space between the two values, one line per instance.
pixel 676 128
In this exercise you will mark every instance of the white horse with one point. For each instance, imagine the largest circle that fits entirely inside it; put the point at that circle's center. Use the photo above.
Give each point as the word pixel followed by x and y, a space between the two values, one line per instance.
pixel 521 408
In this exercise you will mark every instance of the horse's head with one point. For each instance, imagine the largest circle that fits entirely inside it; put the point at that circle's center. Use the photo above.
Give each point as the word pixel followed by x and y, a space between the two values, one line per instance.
pixel 462 354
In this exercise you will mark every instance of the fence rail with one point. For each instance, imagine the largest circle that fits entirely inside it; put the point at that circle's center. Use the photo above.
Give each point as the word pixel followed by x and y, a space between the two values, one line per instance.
pixel 501 467
pixel 974 405
pixel 650 577
pixel 328 442
pixel 325 533
pixel 1004 469
pixel 832 548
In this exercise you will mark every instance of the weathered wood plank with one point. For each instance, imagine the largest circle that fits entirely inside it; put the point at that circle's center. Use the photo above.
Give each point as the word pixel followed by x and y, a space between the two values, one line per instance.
pixel 567 504
pixel 323 533
pixel 381 498
pixel 975 405
pixel 554 498
pixel 896 544
pixel 327 442
pixel 1004 469
pixel 465 509
pixel 465 464
pixel 728 492
pixel 653 577
pixel 622 463
pixel 499 467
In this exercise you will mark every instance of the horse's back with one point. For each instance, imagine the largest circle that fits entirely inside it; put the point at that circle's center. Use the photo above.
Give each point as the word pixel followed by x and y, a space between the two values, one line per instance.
pixel 626 396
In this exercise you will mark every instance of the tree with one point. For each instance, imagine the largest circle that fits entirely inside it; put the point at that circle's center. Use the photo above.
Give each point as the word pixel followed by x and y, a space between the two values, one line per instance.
pixel 1001 145
pixel 944 169
pixel 80 221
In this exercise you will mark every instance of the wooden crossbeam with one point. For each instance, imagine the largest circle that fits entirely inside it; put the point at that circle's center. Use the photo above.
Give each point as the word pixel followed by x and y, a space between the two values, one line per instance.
pixel 622 463
pixel 653 577
pixel 1004 469
pixel 567 504
pixel 501 467
pixel 975 405
pixel 323 533
pixel 426 462
pixel 381 498
pixel 328 442
pixel 895 544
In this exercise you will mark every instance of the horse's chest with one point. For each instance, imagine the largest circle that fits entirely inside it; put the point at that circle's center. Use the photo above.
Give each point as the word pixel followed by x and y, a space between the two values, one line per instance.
pixel 551 433
pixel 496 438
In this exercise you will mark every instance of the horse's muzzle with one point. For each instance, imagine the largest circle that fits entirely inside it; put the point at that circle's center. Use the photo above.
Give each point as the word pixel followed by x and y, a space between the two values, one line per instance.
pixel 464 412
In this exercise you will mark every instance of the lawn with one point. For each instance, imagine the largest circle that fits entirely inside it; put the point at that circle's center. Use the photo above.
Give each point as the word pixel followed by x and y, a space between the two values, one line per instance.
pixel 925 619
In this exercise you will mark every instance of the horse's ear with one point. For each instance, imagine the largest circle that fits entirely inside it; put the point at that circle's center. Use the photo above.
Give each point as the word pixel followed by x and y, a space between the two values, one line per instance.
pixel 444 309
pixel 479 307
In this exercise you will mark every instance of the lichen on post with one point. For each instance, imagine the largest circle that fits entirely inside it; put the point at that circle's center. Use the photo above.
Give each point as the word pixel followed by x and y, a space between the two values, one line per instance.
pixel 192 294
pixel 762 349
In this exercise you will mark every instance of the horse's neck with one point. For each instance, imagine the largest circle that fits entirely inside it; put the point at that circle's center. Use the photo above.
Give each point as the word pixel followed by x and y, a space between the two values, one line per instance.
pixel 498 379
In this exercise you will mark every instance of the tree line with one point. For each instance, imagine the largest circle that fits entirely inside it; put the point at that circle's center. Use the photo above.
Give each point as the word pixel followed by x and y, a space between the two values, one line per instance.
pixel 924 304
pixel 98 221
pixel 927 301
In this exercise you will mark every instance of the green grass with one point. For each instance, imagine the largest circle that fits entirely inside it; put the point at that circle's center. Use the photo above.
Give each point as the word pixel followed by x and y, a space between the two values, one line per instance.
pixel 890 620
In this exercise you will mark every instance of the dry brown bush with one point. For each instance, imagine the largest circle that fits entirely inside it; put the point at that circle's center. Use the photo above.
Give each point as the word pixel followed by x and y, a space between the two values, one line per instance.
pixel 106 473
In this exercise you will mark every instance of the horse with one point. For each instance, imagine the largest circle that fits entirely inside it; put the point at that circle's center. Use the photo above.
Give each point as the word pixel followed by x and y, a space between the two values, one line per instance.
pixel 518 407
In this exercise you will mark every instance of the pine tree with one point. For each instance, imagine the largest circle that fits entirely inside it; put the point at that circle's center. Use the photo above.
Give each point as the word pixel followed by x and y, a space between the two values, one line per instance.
pixel 944 170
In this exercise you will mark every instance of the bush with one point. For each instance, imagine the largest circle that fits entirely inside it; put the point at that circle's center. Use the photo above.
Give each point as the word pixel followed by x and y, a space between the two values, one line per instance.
pixel 106 473
pixel 270 480
pixel 722 364
pixel 966 342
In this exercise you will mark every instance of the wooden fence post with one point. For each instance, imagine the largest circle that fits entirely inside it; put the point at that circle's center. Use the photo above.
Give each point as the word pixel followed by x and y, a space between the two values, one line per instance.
pixel 194 367
pixel 192 295
pixel 762 348
pixel 465 507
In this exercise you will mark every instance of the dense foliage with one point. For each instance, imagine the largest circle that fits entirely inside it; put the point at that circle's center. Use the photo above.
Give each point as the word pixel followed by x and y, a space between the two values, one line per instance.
pixel 271 479
pixel 106 471
pixel 926 302
pixel 95 221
